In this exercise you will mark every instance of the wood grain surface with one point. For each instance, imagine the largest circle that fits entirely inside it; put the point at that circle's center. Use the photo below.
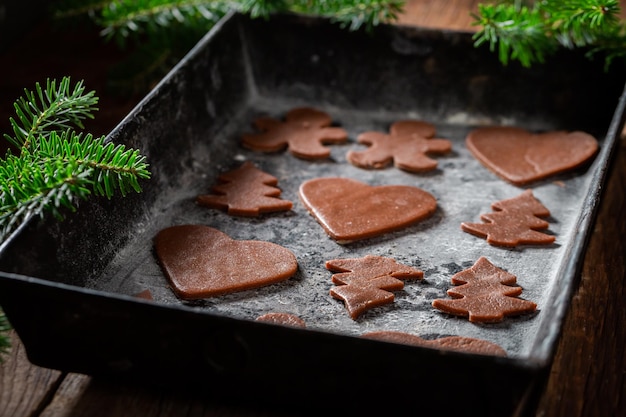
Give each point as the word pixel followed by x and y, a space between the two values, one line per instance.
pixel 587 378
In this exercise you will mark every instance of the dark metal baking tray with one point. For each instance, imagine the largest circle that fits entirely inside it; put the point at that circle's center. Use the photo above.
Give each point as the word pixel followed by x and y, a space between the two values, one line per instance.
pixel 68 287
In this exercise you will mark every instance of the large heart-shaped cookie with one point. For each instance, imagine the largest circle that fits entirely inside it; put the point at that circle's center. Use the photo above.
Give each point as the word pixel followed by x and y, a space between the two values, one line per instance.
pixel 521 157
pixel 350 210
pixel 201 262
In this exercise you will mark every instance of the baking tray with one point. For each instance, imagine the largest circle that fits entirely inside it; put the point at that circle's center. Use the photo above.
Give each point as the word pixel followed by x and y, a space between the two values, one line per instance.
pixel 68 287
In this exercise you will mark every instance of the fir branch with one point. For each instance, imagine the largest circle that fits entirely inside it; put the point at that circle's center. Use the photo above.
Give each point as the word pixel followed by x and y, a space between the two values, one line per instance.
pixel 64 169
pixel 262 8
pixel 72 9
pixel 53 108
pixel 121 19
pixel 110 167
pixel 578 23
pixel 56 168
pixel 164 30
pixel 529 33
pixel 29 188
pixel 518 33
pixel 370 13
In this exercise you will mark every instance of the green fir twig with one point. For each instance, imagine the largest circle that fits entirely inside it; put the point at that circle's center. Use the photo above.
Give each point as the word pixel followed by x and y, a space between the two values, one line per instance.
pixel 530 31
pixel 122 19
pixel 43 111
pixel 162 31
pixel 56 166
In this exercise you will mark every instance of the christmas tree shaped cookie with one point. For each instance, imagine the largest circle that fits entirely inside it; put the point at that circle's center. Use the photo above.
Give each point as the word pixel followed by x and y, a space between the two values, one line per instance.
pixel 246 191
pixel 365 283
pixel 513 222
pixel 484 293
pixel 304 132
pixel 407 146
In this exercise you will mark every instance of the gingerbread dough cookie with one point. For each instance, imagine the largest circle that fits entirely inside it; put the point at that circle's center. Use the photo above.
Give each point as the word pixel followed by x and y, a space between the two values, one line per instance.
pixel 454 343
pixel 304 132
pixel 246 191
pixel 145 294
pixel 201 262
pixel 365 283
pixel 521 157
pixel 513 222
pixel 284 319
pixel 484 293
pixel 407 146
pixel 350 210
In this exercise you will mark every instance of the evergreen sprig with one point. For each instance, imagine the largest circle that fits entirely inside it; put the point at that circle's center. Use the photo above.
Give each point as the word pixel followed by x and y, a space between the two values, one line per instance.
pixel 121 19
pixel 354 14
pixel 162 31
pixel 528 32
pixel 54 108
pixel 30 187
pixel 56 166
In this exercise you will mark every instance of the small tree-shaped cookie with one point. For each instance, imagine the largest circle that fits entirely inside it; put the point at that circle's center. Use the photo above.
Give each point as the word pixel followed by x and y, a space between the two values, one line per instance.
pixel 365 283
pixel 246 191
pixel 484 294
pixel 407 145
pixel 304 132
pixel 513 222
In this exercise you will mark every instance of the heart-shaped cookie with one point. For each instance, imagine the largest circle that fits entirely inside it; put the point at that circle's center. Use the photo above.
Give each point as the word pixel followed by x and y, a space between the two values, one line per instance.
pixel 202 262
pixel 521 157
pixel 350 210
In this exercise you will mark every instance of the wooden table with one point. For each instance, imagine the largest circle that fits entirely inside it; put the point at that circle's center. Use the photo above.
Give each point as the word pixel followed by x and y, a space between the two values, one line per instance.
pixel 588 374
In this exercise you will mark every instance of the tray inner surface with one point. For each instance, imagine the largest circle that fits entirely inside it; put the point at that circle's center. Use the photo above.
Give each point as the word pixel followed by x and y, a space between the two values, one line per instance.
pixel 364 82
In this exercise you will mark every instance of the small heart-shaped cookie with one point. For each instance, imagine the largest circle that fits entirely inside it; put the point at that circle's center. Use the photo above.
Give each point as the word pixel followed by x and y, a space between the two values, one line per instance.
pixel 521 157
pixel 350 210
pixel 202 262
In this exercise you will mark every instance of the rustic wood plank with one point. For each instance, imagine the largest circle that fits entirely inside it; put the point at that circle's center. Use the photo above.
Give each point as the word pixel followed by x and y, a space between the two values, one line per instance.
pixel 81 395
pixel 24 388
pixel 588 374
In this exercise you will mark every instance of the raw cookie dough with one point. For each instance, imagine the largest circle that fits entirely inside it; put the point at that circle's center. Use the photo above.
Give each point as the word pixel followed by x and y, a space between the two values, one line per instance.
pixel 284 319
pixel 304 132
pixel 202 262
pixel 365 283
pixel 484 293
pixel 521 157
pixel 513 222
pixel 246 191
pixel 455 343
pixel 350 210
pixel 407 146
